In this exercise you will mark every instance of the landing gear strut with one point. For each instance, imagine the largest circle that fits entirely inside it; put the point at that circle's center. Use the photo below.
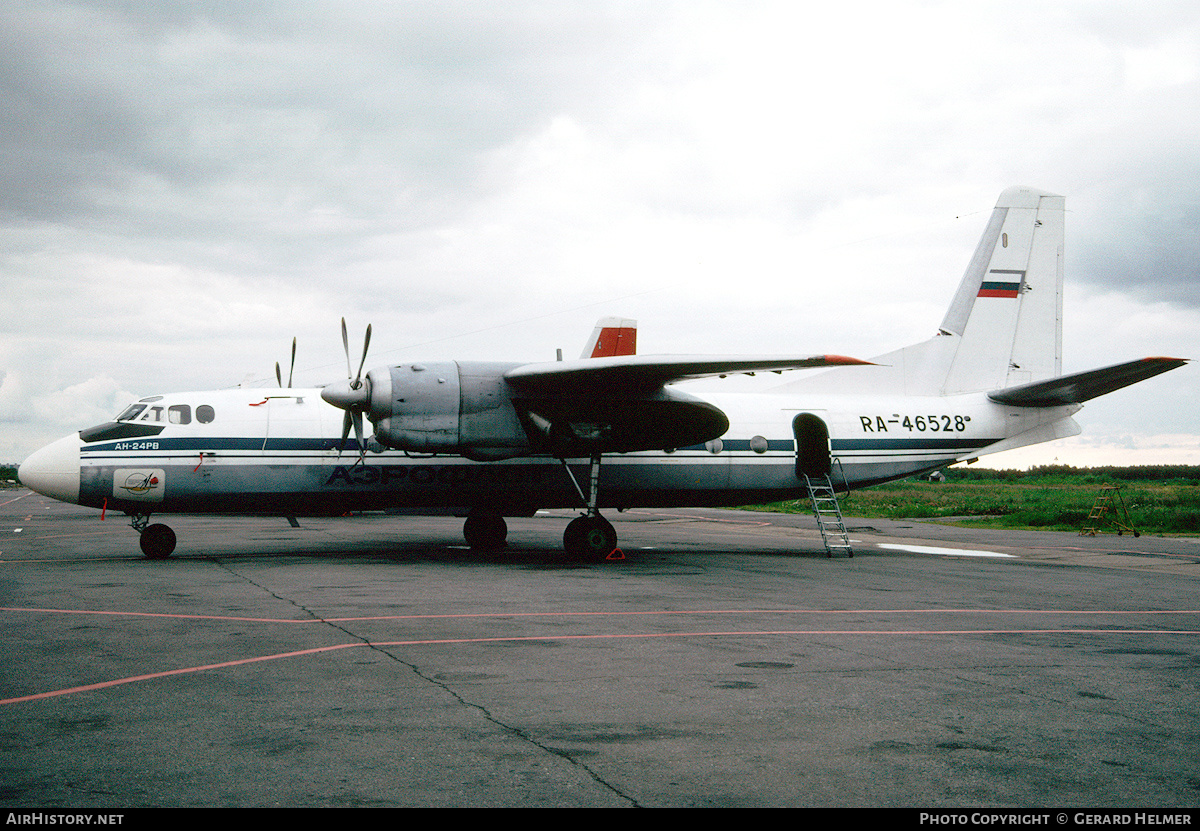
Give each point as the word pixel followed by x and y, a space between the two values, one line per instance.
pixel 157 541
pixel 591 536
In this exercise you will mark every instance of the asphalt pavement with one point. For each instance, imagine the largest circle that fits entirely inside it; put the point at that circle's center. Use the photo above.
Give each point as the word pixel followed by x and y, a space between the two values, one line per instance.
pixel 374 660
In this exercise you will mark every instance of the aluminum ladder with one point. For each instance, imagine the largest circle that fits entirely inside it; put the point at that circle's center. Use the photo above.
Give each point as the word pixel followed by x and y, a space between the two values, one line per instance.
pixel 829 515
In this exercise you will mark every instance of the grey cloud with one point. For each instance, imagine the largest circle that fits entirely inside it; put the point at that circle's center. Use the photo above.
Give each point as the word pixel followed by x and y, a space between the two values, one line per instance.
pixel 237 132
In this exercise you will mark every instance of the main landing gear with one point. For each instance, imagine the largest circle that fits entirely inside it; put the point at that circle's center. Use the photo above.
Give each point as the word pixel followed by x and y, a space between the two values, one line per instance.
pixel 157 541
pixel 485 531
pixel 591 536
pixel 588 537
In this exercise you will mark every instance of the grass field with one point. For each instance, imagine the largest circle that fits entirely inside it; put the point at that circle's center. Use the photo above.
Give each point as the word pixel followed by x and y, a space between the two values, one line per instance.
pixel 1052 500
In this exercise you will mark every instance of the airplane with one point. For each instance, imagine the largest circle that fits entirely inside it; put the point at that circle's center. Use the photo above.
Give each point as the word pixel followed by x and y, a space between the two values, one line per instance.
pixel 489 440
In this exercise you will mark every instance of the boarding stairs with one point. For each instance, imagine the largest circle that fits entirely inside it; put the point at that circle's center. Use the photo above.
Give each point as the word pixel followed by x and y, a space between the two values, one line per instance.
pixel 829 515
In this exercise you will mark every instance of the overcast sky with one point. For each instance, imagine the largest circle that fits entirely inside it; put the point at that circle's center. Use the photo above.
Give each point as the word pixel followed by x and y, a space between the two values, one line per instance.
pixel 185 186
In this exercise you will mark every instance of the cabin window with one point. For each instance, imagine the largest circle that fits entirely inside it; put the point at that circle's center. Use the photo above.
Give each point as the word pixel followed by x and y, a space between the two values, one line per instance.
pixel 179 414
pixel 205 414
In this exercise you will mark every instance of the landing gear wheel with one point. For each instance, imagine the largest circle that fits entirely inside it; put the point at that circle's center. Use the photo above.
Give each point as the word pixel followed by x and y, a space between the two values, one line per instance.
pixel 485 531
pixel 157 541
pixel 590 538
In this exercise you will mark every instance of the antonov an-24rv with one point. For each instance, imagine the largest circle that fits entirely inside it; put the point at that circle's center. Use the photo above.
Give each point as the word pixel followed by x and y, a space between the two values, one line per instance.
pixel 490 440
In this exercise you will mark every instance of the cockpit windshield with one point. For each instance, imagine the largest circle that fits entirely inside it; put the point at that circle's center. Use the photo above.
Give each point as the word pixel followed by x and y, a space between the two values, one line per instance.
pixel 131 412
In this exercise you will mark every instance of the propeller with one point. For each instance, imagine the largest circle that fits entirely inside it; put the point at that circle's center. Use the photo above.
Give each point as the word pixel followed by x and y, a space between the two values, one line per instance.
pixel 354 396
pixel 291 369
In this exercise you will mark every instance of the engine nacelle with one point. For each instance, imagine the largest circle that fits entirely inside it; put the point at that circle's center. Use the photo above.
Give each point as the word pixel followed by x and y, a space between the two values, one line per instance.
pixel 462 407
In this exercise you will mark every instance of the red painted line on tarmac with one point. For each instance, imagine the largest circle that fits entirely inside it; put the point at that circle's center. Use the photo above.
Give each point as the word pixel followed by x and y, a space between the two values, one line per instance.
pixel 1115 552
pixel 150 676
pixel 158 614
pixel 778 612
pixel 663 612
pixel 644 636
pixel 700 518
pixel 796 632
pixel 15 498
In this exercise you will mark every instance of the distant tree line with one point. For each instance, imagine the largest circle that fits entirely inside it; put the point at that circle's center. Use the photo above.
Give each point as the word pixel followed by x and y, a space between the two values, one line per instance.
pixel 1082 475
pixel 8 473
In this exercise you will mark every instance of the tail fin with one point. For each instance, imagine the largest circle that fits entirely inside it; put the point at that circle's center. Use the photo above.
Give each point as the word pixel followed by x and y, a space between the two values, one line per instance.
pixel 612 336
pixel 1004 326
pixel 1007 313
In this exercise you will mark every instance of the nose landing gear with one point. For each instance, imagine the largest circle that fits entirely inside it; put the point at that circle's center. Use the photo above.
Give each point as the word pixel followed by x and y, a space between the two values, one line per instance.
pixel 157 541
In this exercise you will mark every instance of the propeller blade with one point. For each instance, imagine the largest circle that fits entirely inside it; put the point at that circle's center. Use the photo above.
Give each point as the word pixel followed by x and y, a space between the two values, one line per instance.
pixel 366 344
pixel 292 368
pixel 346 346
pixel 358 433
pixel 345 430
pixel 278 374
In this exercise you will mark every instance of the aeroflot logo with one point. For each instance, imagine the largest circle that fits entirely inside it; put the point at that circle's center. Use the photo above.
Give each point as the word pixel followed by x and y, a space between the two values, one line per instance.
pixel 435 475
pixel 142 484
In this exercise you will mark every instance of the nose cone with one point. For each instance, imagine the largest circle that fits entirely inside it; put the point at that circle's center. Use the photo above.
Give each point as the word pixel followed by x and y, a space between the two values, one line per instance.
pixel 54 470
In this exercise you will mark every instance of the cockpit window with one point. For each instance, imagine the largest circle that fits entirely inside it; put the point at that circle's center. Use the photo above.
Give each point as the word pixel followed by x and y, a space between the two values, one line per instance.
pixel 174 414
pixel 131 412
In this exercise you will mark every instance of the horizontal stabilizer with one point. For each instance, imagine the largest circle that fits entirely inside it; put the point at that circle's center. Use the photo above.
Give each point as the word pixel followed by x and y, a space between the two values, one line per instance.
pixel 1084 386
pixel 646 373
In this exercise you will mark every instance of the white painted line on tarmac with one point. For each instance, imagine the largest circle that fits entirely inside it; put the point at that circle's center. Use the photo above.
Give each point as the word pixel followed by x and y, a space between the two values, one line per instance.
pixel 950 552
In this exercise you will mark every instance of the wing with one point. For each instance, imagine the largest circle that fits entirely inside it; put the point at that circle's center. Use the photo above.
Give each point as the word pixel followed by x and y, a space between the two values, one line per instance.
pixel 621 404
pixel 646 373
pixel 1084 386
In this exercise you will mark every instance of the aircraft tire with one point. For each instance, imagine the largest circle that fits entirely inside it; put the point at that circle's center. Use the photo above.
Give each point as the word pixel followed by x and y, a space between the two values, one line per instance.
pixel 485 531
pixel 157 541
pixel 590 538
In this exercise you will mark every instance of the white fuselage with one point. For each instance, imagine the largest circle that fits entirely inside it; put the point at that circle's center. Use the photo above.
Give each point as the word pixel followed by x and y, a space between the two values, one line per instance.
pixel 280 452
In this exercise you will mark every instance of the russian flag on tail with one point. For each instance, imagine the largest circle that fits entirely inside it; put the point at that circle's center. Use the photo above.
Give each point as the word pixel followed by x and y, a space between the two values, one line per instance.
pixel 1004 283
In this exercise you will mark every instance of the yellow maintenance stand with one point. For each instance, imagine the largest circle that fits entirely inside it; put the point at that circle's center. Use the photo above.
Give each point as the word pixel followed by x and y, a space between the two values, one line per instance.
pixel 1109 500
